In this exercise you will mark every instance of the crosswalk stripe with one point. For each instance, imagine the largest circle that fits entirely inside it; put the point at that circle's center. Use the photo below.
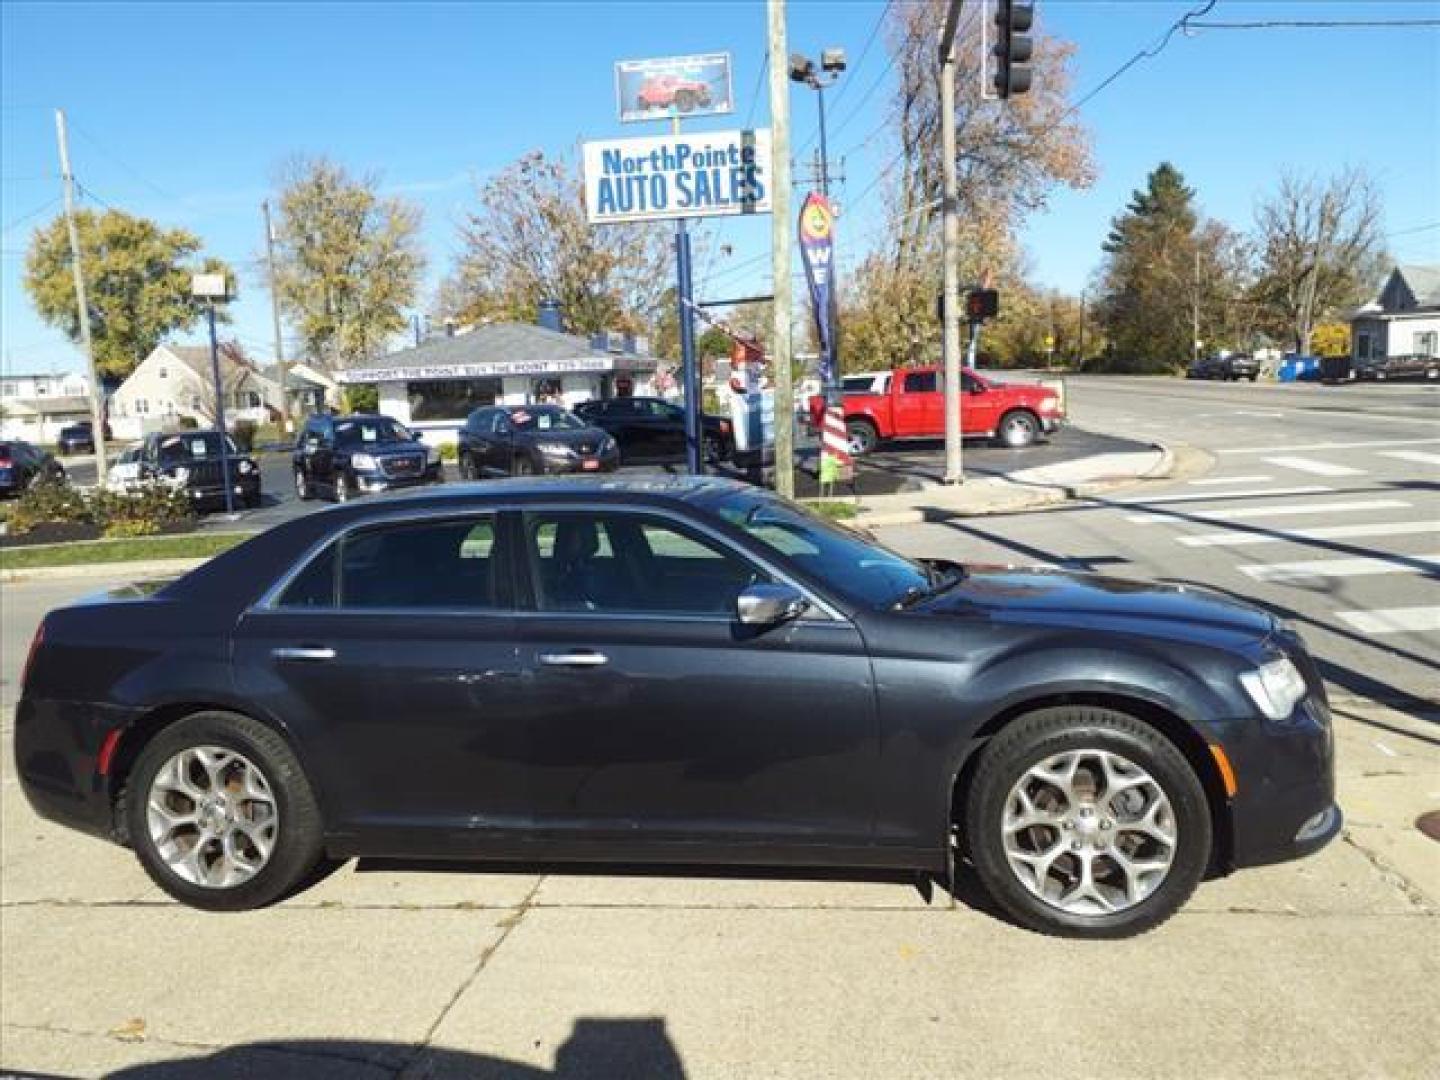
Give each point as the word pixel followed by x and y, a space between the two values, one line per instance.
pixel 1244 512
pixel 1234 538
pixel 1405 620
pixel 1325 446
pixel 1358 567
pixel 1210 496
pixel 1310 465
pixel 1413 455
pixel 1217 481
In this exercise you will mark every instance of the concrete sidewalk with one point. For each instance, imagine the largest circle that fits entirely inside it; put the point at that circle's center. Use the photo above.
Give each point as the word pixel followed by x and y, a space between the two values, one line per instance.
pixel 1325 967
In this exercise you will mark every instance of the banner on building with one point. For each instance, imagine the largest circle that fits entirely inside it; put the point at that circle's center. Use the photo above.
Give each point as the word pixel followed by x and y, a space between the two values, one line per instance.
pixel 683 86
pixel 708 174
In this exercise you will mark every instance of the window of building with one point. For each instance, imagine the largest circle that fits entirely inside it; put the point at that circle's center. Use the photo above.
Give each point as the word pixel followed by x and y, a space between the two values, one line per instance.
pixel 163 373
pixel 450 399
pixel 1362 346
pixel 1426 342
pixel 142 407
pixel 9 390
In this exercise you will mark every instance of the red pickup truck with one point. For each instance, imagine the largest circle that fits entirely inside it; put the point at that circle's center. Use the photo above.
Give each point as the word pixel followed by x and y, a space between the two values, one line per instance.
pixel 912 406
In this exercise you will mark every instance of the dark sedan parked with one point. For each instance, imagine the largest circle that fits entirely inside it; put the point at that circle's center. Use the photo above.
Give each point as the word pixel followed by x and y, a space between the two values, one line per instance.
pixel 667 671
pixel 650 431
pixel 341 456
pixel 22 464
pixel 520 440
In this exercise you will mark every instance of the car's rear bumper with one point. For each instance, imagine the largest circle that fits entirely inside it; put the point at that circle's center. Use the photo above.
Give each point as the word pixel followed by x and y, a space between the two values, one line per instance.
pixel 57 753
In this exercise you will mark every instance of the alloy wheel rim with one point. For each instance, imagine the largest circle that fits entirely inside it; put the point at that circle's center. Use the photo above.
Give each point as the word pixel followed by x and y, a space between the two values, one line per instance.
pixel 212 817
pixel 1089 832
pixel 300 484
pixel 1017 432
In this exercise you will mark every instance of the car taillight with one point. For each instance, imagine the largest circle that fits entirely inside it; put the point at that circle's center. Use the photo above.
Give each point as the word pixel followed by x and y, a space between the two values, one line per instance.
pixel 4 463
pixel 725 426
pixel 35 644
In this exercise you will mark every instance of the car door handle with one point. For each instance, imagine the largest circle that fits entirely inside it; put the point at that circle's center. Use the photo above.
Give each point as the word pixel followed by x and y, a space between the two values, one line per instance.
pixel 574 659
pixel 303 652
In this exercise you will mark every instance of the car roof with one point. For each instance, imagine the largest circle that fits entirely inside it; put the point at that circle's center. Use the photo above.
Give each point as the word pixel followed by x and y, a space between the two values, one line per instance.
pixel 657 487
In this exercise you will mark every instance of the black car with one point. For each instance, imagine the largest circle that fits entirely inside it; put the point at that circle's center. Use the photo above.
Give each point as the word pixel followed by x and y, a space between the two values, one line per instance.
pixel 22 464
pixel 341 456
pixel 78 438
pixel 520 440
pixel 1386 368
pixel 1230 368
pixel 649 430
pixel 192 460
pixel 673 670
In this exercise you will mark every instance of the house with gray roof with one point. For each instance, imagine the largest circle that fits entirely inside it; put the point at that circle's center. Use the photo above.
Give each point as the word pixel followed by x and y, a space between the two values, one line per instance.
pixel 435 385
pixel 177 381
pixel 1402 321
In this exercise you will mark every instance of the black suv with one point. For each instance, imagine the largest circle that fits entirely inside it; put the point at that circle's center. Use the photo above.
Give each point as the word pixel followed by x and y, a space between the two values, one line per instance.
pixel 518 440
pixel 1230 368
pixel 653 431
pixel 22 465
pixel 191 460
pixel 341 456
pixel 78 438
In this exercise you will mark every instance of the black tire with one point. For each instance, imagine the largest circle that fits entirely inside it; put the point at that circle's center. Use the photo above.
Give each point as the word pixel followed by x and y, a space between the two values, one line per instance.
pixel 863 436
pixel 303 491
pixel 1018 428
pixel 712 450
pixel 522 466
pixel 299 840
pixel 1030 741
pixel 465 467
pixel 342 487
pixel 684 101
pixel 1252 378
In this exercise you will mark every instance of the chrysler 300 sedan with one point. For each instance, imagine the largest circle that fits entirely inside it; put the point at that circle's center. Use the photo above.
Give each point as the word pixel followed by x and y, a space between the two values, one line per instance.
pixel 673 671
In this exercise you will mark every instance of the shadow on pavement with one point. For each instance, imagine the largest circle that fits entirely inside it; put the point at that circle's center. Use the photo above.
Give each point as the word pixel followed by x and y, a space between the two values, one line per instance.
pixel 597 1049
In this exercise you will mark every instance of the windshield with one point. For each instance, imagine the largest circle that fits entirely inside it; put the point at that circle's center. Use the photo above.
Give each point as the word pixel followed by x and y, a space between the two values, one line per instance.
pixel 201 446
pixel 546 419
pixel 850 563
pixel 360 431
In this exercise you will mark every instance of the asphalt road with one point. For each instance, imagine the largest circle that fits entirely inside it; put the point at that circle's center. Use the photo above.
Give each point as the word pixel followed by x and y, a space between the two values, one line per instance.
pixel 1320 503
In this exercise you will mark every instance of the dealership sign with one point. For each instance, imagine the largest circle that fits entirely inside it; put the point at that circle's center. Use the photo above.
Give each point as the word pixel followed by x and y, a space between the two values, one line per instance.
pixel 674 86
pixel 708 174
pixel 488 369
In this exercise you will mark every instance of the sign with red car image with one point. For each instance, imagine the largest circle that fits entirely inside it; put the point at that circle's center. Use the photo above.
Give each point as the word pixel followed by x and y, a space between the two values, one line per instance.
pixel 682 86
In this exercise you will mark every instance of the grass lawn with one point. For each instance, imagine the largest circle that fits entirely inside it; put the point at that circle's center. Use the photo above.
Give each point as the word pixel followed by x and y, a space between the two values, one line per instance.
pixel 833 509
pixel 189 546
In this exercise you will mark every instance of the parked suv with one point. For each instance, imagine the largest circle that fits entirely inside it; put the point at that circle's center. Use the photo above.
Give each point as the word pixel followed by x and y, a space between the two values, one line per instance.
pixel 191 460
pixel 518 440
pixel 341 456
pixel 651 430
pixel 78 438
pixel 1231 368
pixel 22 464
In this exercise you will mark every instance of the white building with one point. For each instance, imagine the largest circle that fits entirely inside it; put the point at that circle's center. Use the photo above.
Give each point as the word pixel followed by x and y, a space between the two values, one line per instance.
pixel 35 407
pixel 175 381
pixel 1403 320
pixel 434 386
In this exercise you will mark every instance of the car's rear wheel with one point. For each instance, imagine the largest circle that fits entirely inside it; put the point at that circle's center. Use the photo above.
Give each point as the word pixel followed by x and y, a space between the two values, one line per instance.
pixel 220 813
pixel 712 450
pixel 1018 428
pixel 1086 822
pixel 863 437
pixel 685 101
pixel 302 487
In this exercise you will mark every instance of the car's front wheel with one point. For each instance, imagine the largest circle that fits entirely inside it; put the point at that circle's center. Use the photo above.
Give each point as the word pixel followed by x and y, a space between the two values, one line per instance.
pixel 1086 822
pixel 862 435
pixel 220 813
pixel 1018 428
pixel 302 486
pixel 342 486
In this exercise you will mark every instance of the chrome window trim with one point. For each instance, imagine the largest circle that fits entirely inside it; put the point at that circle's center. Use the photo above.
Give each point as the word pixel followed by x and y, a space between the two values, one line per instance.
pixel 269 600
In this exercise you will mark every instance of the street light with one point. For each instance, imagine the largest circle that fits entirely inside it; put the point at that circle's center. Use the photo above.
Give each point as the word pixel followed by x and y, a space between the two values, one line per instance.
pixel 803 70
pixel 212 289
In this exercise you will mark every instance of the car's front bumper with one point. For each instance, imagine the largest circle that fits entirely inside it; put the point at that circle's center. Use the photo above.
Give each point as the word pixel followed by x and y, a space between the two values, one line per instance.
pixel 372 482
pixel 576 464
pixel 212 496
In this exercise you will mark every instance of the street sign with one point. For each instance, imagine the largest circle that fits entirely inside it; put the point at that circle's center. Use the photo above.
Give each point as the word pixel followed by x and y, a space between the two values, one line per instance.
pixel 707 174
pixel 674 86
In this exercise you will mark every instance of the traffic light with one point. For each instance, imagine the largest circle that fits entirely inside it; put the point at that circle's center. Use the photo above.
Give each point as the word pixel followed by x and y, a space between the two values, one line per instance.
pixel 982 304
pixel 1013 47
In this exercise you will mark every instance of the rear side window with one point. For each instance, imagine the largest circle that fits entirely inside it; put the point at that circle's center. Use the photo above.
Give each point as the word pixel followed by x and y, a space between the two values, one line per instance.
pixel 920 382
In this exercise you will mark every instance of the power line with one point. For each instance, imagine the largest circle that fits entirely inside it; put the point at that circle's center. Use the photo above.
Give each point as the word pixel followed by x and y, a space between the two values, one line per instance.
pixel 156 188
pixel 1416 229
pixel 1313 24
pixel 27 216
pixel 720 229
pixel 854 71
pixel 1179 25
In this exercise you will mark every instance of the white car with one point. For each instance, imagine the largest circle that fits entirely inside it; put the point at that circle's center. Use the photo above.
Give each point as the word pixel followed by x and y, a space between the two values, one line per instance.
pixel 866 382
pixel 126 471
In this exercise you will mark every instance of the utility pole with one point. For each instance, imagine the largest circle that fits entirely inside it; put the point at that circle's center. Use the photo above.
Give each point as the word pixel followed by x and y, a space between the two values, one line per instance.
pixel 281 367
pixel 1080 360
pixel 780 249
pixel 97 411
pixel 1195 312
pixel 950 339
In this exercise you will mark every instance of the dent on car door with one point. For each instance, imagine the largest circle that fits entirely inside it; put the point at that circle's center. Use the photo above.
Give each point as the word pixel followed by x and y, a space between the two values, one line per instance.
pixel 655 716
pixel 391 657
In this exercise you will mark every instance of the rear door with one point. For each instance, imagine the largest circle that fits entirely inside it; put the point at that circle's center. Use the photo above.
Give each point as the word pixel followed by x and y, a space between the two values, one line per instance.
pixel 392 658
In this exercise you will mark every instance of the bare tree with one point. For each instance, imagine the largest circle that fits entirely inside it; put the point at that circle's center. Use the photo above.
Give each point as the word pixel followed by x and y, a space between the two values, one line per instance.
pixel 1321 249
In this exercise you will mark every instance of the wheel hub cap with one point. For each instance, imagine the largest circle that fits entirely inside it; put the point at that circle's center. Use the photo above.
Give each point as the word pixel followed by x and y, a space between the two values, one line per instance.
pixel 212 817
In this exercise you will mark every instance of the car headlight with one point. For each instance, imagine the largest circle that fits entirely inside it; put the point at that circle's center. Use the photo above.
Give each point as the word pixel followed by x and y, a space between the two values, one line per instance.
pixel 1049 405
pixel 363 461
pixel 1276 687
pixel 556 448
pixel 181 474
pixel 246 468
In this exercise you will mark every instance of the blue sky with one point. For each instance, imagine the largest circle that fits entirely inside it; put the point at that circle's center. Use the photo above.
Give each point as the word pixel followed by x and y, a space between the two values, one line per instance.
pixel 183 112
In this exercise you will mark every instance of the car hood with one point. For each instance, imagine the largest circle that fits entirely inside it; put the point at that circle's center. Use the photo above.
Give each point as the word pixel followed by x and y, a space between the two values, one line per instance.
pixel 390 446
pixel 1072 598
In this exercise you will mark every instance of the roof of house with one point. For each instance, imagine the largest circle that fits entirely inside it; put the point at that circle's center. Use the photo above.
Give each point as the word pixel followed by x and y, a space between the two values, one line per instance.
pixel 197 359
pixel 48 406
pixel 503 342
pixel 1423 281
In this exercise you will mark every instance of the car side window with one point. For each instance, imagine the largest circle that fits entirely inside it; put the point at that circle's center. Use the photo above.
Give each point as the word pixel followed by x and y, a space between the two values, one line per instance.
pixel 920 382
pixel 631 564
pixel 969 383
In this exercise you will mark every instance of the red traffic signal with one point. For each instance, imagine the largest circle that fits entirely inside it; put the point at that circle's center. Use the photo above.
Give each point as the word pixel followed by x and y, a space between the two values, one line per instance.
pixel 1013 47
pixel 982 304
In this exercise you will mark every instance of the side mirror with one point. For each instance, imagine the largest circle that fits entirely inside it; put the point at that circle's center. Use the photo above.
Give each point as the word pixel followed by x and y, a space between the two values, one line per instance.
pixel 769 604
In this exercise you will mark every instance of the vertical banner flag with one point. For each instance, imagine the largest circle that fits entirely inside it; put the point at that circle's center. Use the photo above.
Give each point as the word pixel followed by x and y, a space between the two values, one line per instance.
pixel 817 251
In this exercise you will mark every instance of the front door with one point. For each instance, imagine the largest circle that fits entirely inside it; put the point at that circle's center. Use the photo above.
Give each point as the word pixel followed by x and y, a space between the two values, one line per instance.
pixel 655 716
pixel 979 409
pixel 393 653
pixel 920 407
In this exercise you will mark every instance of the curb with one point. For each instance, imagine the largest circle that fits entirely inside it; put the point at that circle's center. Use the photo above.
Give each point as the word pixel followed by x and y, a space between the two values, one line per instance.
pixel 1035 497
pixel 134 570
